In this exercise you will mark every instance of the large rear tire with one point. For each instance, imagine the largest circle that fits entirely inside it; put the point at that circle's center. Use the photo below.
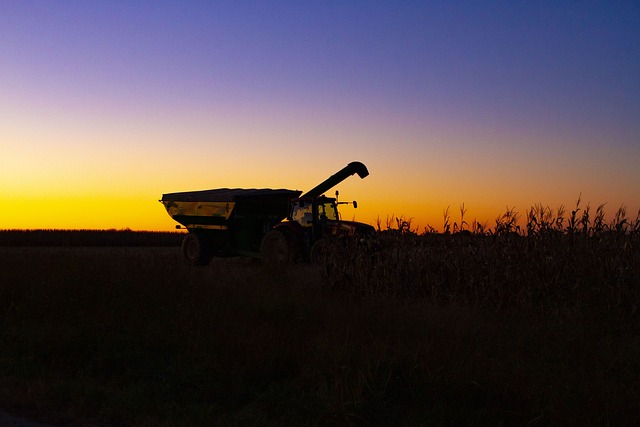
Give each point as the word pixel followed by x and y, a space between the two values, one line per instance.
pixel 276 250
pixel 195 250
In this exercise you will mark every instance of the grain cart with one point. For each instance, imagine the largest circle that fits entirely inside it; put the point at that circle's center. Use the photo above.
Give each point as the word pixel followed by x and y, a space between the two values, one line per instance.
pixel 278 226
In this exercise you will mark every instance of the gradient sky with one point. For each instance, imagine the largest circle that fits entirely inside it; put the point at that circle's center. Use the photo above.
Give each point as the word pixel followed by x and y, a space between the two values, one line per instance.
pixel 105 106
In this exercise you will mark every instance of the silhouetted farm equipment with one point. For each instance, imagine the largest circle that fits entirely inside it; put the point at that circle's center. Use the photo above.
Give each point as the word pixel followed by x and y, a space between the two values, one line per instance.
pixel 277 225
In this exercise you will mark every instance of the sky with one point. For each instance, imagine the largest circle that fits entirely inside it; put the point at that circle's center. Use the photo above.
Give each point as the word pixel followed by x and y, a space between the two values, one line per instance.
pixel 105 106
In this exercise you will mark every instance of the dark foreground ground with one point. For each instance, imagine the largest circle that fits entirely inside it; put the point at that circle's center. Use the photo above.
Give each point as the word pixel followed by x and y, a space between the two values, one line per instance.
pixel 8 420
pixel 132 336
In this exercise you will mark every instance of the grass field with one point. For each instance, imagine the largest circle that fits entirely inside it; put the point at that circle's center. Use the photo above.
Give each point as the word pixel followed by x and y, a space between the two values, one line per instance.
pixel 460 329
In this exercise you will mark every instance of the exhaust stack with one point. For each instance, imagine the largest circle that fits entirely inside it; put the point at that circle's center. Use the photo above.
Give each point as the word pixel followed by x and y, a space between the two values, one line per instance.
pixel 337 178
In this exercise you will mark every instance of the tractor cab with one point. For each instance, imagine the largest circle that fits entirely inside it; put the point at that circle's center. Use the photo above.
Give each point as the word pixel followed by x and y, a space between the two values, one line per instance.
pixel 317 217
pixel 309 211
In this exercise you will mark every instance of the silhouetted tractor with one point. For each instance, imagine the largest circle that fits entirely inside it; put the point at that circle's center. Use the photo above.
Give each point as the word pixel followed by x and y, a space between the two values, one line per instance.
pixel 280 226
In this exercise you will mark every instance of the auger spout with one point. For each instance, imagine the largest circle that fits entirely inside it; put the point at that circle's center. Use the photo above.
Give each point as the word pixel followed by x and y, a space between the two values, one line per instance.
pixel 337 178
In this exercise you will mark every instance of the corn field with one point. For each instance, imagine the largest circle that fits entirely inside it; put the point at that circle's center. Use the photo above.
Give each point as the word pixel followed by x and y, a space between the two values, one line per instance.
pixel 558 261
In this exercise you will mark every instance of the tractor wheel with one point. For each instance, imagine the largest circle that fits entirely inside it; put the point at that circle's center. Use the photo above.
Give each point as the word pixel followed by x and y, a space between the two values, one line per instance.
pixel 195 250
pixel 275 249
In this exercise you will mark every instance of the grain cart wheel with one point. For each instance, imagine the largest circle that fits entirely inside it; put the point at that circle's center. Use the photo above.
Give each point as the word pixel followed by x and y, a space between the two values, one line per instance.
pixel 275 249
pixel 195 251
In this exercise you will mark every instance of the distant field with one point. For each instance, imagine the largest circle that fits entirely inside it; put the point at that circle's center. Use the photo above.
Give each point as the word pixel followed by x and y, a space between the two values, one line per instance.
pixel 465 328
pixel 89 238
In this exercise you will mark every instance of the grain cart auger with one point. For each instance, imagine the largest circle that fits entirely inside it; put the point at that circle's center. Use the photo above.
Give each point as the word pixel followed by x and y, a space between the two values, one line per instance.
pixel 279 226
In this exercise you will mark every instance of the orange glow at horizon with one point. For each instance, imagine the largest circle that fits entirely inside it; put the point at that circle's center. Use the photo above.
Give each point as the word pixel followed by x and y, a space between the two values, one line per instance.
pixel 69 185
pixel 142 211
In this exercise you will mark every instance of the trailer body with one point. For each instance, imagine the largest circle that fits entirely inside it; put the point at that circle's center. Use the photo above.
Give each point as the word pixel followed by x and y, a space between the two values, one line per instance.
pixel 231 221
